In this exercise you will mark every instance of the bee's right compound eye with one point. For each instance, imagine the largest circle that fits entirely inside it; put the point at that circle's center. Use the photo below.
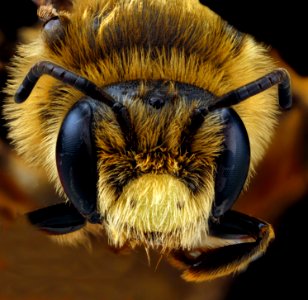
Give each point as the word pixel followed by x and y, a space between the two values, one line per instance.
pixel 77 161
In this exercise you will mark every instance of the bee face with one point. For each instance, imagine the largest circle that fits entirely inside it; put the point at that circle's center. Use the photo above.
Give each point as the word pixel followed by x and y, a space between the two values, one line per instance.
pixel 134 125
pixel 159 174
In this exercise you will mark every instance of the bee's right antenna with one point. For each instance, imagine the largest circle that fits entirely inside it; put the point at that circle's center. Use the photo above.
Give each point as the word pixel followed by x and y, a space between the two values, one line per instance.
pixel 279 76
pixel 78 82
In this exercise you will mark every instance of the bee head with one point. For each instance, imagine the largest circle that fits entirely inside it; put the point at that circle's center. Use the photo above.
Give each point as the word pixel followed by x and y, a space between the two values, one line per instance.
pixel 143 130
pixel 147 162
pixel 154 161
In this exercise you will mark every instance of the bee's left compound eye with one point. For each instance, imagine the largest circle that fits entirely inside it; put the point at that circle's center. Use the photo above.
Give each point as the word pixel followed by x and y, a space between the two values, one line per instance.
pixel 77 161
pixel 233 163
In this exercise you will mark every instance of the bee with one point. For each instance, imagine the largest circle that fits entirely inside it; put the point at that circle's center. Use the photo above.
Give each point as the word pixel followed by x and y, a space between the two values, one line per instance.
pixel 150 117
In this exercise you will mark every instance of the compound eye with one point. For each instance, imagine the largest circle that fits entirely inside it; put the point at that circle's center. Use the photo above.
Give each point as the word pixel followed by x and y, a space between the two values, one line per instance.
pixel 232 164
pixel 53 29
pixel 52 25
pixel 77 161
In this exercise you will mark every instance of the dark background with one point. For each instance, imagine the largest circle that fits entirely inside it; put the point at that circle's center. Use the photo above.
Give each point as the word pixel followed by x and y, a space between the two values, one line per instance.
pixel 281 24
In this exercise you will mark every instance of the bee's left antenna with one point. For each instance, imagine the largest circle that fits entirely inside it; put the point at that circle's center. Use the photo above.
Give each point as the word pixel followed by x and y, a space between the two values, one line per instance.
pixel 280 77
